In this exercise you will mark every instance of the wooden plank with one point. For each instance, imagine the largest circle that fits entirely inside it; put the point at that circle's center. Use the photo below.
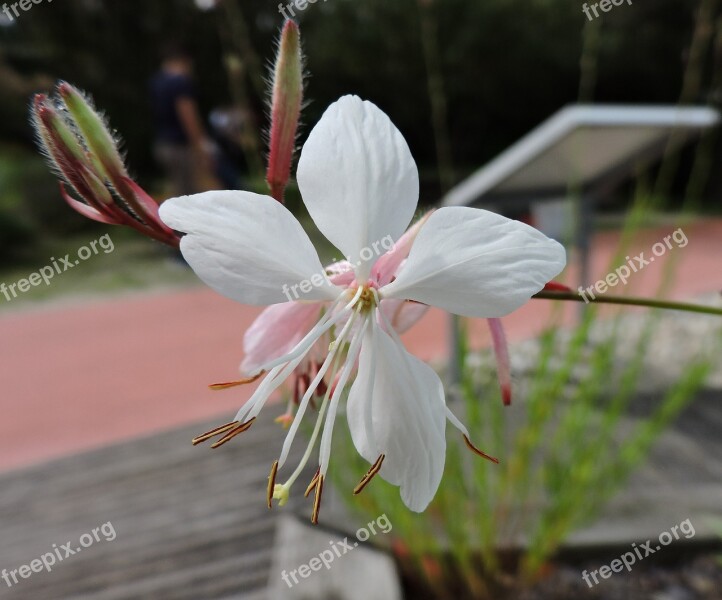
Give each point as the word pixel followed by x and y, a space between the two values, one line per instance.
pixel 190 522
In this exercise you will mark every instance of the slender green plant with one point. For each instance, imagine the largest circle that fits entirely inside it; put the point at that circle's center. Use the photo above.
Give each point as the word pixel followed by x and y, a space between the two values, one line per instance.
pixel 569 442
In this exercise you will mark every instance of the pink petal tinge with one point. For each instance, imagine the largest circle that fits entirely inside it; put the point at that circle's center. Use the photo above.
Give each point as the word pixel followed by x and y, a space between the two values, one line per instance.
pixel 276 332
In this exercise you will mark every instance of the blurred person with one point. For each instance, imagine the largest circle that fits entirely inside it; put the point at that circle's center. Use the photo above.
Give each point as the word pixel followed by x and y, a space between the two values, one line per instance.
pixel 182 145
pixel 228 125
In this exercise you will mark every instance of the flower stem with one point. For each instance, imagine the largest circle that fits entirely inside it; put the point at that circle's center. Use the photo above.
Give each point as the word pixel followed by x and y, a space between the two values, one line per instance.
pixel 629 301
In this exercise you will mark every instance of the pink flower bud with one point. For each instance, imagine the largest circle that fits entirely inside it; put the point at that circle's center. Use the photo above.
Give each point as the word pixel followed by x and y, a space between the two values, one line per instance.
pixel 84 154
pixel 286 109
pixel 66 155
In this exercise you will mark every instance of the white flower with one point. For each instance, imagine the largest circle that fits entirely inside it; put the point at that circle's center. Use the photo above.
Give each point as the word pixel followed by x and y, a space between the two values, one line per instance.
pixel 360 185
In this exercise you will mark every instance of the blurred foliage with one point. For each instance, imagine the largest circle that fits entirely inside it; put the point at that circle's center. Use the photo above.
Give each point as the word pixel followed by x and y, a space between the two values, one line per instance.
pixel 507 64
pixel 15 230
pixel 570 443
pixel 567 446
pixel 31 208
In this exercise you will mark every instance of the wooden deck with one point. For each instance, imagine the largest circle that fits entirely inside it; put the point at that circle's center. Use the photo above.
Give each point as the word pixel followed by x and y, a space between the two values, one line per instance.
pixel 192 522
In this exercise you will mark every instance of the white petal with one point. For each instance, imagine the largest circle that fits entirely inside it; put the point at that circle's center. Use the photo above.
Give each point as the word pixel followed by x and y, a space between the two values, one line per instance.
pixel 408 416
pixel 358 180
pixel 247 247
pixel 476 263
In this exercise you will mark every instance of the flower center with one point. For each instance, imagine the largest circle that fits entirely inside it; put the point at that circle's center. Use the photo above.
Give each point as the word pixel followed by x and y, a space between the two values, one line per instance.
pixel 367 299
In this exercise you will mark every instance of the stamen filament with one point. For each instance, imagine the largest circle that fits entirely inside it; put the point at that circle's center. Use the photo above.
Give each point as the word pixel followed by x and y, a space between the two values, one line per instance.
pixel 478 452
pixel 353 352
pixel 321 413
pixel 330 359
pixel 233 433
pixel 366 479
pixel 313 483
pixel 231 384
pixel 326 322
pixel 311 444
pixel 274 380
pixel 214 432
pixel 317 500
pixel 271 484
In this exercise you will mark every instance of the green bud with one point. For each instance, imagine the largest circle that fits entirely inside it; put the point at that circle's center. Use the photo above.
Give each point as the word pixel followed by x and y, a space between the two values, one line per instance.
pixel 91 126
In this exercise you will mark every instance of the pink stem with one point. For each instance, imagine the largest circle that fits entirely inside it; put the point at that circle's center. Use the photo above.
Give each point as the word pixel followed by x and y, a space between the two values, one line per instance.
pixel 501 349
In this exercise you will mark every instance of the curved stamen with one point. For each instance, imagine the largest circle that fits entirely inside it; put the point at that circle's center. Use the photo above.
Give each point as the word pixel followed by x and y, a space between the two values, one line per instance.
pixel 316 429
pixel 231 384
pixel 282 371
pixel 271 484
pixel 214 432
pixel 366 479
pixel 353 352
pixel 312 485
pixel 257 395
pixel 233 433
pixel 309 392
pixel 478 452
pixel 326 322
pixel 465 433
pixel 317 500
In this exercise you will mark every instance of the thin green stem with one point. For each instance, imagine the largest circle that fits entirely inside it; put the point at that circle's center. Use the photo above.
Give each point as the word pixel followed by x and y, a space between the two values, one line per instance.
pixel 630 301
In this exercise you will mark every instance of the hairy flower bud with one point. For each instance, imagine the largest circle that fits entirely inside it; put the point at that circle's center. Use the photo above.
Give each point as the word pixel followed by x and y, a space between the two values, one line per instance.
pixel 94 131
pixel 85 155
pixel 286 108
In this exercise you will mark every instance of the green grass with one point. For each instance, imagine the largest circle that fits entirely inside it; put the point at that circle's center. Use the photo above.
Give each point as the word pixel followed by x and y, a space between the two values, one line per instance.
pixel 135 264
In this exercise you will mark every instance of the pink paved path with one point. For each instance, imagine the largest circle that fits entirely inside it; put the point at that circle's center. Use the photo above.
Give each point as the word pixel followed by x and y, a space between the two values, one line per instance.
pixel 81 377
